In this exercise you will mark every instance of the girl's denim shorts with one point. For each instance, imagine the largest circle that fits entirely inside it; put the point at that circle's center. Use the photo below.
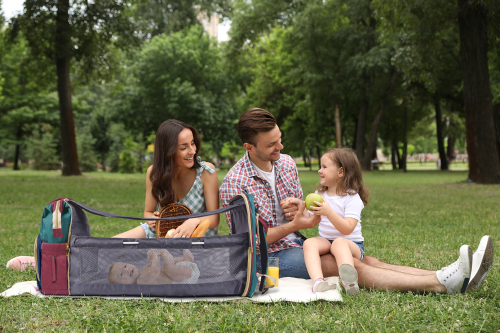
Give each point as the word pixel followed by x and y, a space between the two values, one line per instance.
pixel 360 245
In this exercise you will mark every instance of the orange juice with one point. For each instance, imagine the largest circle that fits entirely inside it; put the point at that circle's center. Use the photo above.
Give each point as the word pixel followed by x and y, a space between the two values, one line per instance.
pixel 275 273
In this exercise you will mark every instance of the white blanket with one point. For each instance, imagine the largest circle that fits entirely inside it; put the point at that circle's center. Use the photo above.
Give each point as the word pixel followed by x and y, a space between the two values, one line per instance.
pixel 290 289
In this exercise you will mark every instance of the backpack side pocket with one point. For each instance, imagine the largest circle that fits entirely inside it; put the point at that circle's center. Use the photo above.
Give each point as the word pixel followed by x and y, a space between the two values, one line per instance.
pixel 54 269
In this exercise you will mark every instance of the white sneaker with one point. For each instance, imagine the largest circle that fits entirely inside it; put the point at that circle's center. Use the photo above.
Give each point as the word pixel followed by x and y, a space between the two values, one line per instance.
pixel 320 285
pixel 456 276
pixel 349 279
pixel 482 260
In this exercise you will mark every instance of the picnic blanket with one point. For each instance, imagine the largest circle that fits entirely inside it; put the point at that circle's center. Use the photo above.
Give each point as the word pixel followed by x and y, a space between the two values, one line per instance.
pixel 290 289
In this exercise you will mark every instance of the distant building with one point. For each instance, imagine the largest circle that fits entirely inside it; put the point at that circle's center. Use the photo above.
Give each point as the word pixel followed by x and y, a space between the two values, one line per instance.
pixel 210 24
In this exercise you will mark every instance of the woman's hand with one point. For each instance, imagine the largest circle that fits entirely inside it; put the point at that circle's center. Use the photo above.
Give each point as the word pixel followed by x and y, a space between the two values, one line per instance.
pixel 186 229
pixel 152 224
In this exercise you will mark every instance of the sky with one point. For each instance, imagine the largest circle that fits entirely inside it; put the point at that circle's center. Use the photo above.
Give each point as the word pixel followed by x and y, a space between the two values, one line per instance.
pixel 13 7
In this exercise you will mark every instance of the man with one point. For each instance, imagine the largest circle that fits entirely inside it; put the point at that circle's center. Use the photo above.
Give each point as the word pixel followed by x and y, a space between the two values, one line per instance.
pixel 272 179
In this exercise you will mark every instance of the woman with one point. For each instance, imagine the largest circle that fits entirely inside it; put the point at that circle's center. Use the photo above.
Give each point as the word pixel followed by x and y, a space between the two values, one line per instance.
pixel 177 175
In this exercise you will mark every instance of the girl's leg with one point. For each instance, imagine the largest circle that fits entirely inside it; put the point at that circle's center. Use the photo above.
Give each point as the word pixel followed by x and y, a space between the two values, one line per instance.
pixel 344 250
pixel 137 232
pixel 313 248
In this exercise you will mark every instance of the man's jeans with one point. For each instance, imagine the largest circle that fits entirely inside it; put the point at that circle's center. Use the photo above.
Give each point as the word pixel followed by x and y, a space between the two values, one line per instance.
pixel 291 262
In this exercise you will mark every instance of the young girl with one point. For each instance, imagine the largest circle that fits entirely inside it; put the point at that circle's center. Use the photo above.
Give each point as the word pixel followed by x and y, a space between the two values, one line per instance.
pixel 178 175
pixel 344 194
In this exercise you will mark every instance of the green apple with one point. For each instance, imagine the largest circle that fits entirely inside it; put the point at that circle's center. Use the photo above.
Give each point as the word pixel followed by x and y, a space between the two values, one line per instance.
pixel 310 200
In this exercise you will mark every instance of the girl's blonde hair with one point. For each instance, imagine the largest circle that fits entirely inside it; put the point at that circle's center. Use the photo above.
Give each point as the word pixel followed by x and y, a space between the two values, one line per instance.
pixel 352 182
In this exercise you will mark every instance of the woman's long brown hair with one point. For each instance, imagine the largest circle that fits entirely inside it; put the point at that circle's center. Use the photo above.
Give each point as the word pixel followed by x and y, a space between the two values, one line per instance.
pixel 352 182
pixel 166 142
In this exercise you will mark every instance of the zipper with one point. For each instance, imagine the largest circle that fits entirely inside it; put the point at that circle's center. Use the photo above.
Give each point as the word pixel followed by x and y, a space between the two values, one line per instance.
pixel 67 245
pixel 250 249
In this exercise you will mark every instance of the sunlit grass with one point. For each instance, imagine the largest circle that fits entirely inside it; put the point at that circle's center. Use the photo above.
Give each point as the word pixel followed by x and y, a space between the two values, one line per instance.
pixel 419 219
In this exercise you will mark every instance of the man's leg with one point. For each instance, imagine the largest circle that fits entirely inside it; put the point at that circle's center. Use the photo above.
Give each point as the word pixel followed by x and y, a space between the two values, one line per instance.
pixel 291 263
pixel 372 277
pixel 372 261
pixel 375 274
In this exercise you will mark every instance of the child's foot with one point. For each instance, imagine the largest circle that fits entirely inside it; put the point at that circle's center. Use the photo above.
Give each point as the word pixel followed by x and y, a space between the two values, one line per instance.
pixel 320 285
pixel 349 279
pixel 188 256
pixel 21 263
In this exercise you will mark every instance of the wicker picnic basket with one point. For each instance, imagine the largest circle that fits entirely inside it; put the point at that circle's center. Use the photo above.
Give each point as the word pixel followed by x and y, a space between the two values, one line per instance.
pixel 172 209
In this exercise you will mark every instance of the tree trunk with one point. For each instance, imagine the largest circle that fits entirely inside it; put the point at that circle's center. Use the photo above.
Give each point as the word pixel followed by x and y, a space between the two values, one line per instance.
pixel 496 118
pixel 338 127
pixel 405 140
pixel 439 134
pixel 372 139
pixel 62 50
pixel 394 149
pixel 318 151
pixel 484 161
pixel 450 148
pixel 361 128
pixel 17 153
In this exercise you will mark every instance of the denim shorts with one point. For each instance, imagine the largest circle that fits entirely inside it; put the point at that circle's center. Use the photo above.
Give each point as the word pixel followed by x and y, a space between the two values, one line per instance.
pixel 360 245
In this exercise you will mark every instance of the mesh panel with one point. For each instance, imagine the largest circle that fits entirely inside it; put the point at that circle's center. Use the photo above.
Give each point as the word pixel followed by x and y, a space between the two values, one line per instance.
pixel 215 265
pixel 211 263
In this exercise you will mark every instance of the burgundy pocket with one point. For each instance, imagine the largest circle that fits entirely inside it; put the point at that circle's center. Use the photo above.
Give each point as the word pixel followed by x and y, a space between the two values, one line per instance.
pixel 54 269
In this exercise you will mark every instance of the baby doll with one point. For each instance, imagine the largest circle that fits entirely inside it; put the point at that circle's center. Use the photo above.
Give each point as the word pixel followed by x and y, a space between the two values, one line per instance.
pixel 180 270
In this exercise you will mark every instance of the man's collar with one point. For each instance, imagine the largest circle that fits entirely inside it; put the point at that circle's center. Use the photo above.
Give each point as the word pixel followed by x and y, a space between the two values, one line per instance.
pixel 247 163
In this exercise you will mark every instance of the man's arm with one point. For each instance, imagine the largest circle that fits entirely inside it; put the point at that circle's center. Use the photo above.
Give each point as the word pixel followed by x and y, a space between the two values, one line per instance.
pixel 302 220
pixel 227 191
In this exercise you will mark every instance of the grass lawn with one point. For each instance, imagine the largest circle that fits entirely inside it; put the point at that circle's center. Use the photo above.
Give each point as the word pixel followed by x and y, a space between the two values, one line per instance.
pixel 420 219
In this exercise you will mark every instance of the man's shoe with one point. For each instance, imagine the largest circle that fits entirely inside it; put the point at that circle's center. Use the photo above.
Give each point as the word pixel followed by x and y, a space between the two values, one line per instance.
pixel 482 260
pixel 349 279
pixel 456 276
pixel 21 263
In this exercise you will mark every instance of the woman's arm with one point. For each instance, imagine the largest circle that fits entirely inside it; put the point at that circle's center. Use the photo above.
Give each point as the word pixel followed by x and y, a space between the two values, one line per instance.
pixel 150 202
pixel 210 183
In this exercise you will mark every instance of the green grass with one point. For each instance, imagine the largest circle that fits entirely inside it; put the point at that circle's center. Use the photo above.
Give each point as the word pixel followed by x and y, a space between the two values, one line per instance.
pixel 418 219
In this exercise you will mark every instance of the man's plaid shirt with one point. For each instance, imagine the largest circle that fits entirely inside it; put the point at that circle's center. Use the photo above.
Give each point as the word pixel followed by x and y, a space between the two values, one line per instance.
pixel 242 178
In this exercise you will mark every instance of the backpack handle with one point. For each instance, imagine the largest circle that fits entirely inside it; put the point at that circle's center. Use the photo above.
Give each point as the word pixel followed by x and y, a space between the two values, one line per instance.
pixel 195 215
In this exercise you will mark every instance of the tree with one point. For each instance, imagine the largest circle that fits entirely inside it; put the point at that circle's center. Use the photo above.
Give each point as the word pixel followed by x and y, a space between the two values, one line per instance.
pixel 180 76
pixel 166 16
pixel 82 32
pixel 25 100
pixel 484 160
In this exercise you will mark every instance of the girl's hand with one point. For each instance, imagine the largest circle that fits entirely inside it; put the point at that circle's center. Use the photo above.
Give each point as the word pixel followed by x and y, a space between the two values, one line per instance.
pixel 186 229
pixel 152 224
pixel 322 209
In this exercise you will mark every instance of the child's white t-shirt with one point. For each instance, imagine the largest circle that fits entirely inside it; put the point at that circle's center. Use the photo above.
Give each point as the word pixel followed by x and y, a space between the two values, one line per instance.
pixel 346 206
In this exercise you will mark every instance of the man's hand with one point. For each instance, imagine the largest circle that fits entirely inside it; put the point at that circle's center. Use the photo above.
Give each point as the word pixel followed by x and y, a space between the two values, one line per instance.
pixel 290 207
pixel 303 219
